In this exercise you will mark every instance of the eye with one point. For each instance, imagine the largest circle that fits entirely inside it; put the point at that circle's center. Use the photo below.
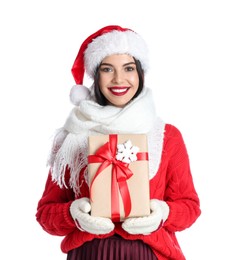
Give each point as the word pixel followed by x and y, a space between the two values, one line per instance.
pixel 130 68
pixel 106 69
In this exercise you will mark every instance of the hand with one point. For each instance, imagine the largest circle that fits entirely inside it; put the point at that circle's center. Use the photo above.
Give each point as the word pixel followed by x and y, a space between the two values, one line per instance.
pixel 148 224
pixel 80 209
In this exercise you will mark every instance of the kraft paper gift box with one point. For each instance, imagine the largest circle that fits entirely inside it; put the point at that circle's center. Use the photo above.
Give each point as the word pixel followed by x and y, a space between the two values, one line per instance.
pixel 119 176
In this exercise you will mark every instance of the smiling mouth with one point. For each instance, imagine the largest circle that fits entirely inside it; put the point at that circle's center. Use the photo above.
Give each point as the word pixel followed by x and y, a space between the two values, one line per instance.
pixel 119 91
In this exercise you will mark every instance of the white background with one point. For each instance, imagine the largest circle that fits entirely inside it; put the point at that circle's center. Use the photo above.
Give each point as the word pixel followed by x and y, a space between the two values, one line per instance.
pixel 195 65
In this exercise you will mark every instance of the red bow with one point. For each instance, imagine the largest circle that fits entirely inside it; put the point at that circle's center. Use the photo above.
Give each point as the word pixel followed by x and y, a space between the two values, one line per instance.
pixel 120 174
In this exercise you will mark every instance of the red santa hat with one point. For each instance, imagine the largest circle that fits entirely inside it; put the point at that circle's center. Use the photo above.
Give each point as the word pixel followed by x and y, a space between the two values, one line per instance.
pixel 109 40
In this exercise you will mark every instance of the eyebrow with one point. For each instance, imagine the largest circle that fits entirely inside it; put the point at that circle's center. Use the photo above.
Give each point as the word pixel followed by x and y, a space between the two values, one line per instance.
pixel 109 64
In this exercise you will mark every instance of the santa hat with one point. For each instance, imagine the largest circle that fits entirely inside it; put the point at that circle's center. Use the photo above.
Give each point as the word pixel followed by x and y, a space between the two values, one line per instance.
pixel 109 40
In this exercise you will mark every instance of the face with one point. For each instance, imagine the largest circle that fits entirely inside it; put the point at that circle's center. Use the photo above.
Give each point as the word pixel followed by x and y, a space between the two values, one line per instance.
pixel 118 79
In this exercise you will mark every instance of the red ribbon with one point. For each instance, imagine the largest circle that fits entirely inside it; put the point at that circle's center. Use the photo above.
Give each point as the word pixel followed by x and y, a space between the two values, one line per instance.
pixel 120 174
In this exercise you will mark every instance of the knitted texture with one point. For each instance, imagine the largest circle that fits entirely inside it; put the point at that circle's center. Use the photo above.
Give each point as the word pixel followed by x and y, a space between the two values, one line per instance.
pixel 172 183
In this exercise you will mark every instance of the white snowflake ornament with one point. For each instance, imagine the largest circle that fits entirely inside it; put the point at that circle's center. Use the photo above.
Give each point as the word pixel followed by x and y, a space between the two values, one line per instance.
pixel 126 152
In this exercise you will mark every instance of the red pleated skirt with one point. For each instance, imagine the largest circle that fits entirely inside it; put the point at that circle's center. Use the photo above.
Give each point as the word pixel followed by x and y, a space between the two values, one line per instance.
pixel 112 248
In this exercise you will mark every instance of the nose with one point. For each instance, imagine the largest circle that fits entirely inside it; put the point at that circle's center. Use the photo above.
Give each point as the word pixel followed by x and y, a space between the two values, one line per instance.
pixel 118 77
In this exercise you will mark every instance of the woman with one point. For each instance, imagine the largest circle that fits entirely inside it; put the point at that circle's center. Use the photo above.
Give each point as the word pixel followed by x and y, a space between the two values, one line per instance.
pixel 118 102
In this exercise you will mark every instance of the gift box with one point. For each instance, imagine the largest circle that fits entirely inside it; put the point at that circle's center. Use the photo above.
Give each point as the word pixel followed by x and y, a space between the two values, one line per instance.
pixel 119 176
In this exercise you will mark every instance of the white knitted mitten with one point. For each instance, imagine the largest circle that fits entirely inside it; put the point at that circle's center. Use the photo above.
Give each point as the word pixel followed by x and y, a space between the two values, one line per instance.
pixel 80 209
pixel 146 225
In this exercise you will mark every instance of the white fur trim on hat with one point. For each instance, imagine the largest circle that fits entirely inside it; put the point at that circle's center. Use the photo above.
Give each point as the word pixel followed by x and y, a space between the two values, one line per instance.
pixel 115 42
pixel 78 93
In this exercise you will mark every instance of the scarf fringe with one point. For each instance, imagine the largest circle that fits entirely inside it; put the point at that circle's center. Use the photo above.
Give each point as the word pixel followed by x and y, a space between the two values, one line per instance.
pixel 155 144
pixel 68 151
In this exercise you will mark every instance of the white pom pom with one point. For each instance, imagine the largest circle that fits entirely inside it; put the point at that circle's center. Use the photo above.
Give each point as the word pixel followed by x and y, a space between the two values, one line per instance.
pixel 78 93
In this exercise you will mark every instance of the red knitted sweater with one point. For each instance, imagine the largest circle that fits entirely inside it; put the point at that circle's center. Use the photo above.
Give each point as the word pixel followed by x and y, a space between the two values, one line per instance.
pixel 173 183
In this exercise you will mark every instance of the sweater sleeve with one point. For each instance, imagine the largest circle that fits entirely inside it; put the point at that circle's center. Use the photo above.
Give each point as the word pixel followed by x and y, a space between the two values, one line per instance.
pixel 180 193
pixel 53 209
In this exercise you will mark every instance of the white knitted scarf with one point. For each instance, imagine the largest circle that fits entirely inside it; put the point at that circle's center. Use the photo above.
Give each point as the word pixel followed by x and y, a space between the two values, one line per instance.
pixel 70 145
